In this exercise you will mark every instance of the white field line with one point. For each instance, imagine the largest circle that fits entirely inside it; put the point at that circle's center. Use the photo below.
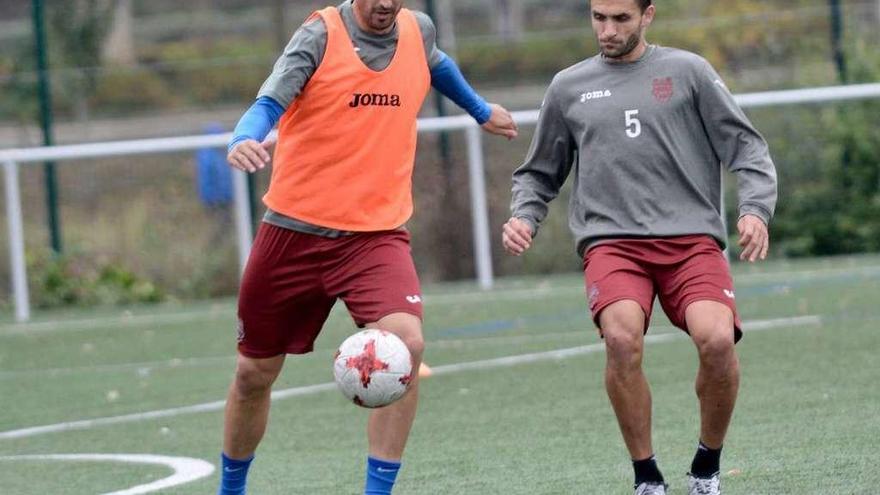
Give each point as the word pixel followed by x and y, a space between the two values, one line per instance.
pixel 122 321
pixel 144 368
pixel 162 413
pixel 131 321
pixel 755 326
pixel 186 469
pixel 147 367
pixel 785 276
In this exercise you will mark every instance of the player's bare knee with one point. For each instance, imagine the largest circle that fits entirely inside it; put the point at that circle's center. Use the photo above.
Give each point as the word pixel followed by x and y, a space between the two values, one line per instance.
pixel 408 328
pixel 416 345
pixel 622 317
pixel 624 347
pixel 250 383
pixel 253 380
pixel 715 346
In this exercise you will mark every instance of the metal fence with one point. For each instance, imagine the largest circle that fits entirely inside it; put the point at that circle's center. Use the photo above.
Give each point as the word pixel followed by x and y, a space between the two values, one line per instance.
pixel 12 159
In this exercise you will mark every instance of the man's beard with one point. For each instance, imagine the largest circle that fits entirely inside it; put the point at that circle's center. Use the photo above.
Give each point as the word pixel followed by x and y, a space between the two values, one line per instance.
pixel 378 25
pixel 626 49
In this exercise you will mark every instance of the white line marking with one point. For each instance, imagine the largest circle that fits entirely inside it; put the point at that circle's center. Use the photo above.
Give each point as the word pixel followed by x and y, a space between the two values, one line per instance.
pixel 142 367
pixel 469 342
pixel 761 325
pixel 186 469
pixel 784 276
pixel 162 413
pixel 147 367
pixel 755 326
pixel 461 297
pixel 125 320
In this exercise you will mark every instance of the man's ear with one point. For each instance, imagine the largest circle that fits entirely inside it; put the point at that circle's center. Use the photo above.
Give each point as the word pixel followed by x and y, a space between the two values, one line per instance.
pixel 648 16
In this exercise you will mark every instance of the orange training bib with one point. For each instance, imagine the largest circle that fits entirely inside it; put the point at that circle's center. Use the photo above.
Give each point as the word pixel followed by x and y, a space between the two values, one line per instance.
pixel 346 147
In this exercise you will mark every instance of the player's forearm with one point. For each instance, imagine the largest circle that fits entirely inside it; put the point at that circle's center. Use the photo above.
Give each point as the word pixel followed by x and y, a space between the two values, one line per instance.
pixel 537 182
pixel 257 122
pixel 547 166
pixel 757 192
pixel 746 154
pixel 528 204
pixel 756 175
pixel 738 144
pixel 447 78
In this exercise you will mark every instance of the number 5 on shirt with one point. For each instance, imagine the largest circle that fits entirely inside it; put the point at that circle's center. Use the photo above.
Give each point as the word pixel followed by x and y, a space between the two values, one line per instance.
pixel 633 126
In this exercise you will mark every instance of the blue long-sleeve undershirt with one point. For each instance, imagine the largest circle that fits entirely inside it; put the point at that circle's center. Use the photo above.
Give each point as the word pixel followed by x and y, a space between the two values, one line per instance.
pixel 259 120
pixel 447 78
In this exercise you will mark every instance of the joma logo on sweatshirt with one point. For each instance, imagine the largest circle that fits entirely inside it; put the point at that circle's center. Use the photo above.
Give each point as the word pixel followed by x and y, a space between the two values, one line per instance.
pixel 374 100
pixel 595 95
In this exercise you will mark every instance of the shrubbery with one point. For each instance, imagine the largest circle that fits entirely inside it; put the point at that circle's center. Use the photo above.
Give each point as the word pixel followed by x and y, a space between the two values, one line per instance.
pixel 78 279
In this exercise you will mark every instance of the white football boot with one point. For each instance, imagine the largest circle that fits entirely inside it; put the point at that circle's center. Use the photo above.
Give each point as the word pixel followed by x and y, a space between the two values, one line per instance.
pixel 651 488
pixel 704 486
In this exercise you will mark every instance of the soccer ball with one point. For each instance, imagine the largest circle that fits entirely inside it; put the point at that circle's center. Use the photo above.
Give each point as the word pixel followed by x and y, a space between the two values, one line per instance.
pixel 373 368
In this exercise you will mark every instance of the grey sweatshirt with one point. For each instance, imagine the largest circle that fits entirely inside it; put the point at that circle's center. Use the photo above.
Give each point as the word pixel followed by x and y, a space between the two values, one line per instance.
pixel 646 140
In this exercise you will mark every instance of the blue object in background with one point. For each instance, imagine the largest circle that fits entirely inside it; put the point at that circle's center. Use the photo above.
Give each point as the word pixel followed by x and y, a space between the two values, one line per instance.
pixel 213 173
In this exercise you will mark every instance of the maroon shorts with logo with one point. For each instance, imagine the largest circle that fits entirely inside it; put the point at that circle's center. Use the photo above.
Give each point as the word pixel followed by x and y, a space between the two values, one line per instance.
pixel 680 270
pixel 292 280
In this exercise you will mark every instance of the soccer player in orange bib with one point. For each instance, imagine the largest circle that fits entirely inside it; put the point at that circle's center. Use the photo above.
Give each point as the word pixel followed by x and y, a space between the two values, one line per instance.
pixel 347 90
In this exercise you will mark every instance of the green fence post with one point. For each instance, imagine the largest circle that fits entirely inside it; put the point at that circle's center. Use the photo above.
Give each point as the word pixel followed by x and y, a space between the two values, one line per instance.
pixel 50 180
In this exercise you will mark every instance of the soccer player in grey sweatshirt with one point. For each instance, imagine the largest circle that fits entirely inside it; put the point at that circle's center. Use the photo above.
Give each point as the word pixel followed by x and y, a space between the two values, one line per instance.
pixel 645 129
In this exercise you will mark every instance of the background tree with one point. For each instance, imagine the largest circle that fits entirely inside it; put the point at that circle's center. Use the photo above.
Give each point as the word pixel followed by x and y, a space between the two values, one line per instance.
pixel 119 43
pixel 508 18
pixel 78 29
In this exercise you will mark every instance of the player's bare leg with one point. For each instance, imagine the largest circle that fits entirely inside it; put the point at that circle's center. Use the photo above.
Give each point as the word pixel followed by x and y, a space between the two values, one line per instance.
pixel 247 405
pixel 710 324
pixel 623 325
pixel 388 427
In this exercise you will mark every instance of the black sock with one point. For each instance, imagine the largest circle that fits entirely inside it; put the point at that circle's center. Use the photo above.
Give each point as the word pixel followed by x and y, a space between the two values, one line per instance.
pixel 707 462
pixel 647 471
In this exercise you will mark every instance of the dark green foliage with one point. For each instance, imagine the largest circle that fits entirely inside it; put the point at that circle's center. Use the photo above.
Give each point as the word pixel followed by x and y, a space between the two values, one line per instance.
pixel 77 32
pixel 18 83
pixel 79 280
pixel 831 204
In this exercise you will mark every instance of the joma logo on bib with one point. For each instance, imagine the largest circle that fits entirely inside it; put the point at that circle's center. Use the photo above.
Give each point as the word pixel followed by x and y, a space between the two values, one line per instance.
pixel 374 100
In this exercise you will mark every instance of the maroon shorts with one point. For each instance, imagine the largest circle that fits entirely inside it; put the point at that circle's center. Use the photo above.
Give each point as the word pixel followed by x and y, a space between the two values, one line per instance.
pixel 293 279
pixel 680 270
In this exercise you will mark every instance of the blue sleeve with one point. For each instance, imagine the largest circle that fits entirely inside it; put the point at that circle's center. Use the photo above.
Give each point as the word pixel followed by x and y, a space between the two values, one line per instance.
pixel 447 78
pixel 257 122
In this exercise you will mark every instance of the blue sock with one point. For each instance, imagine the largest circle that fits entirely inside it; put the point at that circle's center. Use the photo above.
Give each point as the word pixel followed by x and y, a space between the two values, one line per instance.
pixel 380 476
pixel 233 475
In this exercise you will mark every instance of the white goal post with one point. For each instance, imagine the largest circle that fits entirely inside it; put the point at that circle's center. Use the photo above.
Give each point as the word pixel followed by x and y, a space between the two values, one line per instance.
pixel 12 159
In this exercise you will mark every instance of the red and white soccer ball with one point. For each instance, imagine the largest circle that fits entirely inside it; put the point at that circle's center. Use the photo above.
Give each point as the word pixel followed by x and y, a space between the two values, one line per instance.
pixel 373 368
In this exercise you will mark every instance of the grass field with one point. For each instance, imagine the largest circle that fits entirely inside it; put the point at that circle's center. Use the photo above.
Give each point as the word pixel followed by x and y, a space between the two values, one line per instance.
pixel 806 422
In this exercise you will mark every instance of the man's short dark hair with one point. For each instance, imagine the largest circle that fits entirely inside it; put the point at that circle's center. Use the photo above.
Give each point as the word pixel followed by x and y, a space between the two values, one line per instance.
pixel 644 4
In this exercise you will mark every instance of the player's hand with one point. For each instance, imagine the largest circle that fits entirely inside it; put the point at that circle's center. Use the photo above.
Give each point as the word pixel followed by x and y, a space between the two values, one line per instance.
pixel 250 155
pixel 501 122
pixel 753 238
pixel 516 236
